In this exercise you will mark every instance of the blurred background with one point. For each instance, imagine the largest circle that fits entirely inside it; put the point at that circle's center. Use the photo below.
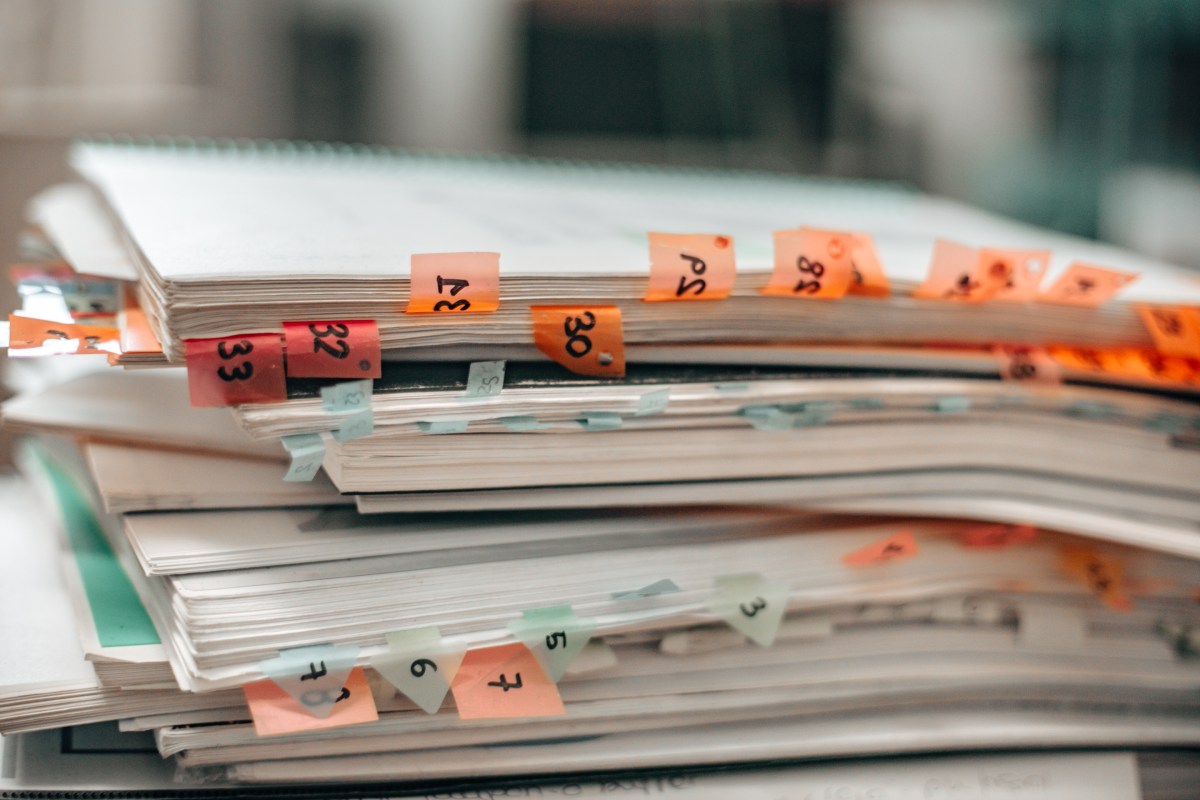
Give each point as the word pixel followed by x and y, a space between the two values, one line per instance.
pixel 1081 115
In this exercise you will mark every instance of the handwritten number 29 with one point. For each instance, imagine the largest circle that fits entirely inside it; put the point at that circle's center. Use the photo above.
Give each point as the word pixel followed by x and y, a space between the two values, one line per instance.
pixel 245 371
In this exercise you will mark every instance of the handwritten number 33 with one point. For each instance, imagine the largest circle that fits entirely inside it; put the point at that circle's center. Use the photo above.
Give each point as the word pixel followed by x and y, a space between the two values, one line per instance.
pixel 242 373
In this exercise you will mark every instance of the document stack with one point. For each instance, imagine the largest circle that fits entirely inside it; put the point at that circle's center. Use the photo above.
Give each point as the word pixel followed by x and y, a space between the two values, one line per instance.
pixel 389 470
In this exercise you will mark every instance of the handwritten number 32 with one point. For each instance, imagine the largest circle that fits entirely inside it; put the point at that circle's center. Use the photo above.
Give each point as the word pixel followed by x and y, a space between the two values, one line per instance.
pixel 242 373
pixel 336 330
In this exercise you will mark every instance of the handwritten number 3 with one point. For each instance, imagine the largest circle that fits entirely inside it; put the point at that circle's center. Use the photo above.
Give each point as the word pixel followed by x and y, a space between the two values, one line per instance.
pixel 758 605
pixel 242 373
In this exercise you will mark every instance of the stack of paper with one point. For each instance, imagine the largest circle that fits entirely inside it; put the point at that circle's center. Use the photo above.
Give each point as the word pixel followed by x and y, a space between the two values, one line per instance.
pixel 443 475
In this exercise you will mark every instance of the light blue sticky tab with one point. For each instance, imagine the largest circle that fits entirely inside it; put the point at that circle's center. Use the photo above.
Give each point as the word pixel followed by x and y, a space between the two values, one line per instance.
pixel 554 636
pixel 312 675
pixel 347 396
pixel 751 604
pixel 485 379
pixel 444 426
pixel 356 425
pixel 522 424
pixel 804 415
pixel 307 450
pixel 600 420
pixel 732 387
pixel 952 405
pixel 1087 409
pixel 421 665
pixel 653 403
pixel 864 403
pixel 1166 422
pixel 766 418
pixel 664 586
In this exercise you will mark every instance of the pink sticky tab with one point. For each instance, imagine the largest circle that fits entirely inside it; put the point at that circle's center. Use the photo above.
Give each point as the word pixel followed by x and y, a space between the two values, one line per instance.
pixel 277 713
pixel 810 262
pixel 347 349
pixel 690 266
pixel 504 682
pixel 1085 285
pixel 954 274
pixel 1020 363
pixel 894 548
pixel 1015 274
pixel 454 283
pixel 996 537
pixel 866 273
pixel 236 369
pixel 1175 329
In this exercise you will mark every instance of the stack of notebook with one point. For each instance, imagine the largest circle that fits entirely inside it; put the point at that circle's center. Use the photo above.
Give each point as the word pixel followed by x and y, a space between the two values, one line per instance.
pixel 381 468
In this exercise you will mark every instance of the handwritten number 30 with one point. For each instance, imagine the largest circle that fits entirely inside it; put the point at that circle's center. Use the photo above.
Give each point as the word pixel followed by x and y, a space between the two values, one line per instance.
pixel 577 344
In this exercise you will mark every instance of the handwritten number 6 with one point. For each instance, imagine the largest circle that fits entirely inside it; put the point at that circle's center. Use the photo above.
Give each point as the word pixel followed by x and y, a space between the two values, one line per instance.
pixel 419 667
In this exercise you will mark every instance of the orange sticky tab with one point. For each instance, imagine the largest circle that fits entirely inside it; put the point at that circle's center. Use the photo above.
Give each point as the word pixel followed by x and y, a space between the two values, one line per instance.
pixel 1019 363
pixel 1014 274
pixel 236 369
pixel 504 682
pixel 1151 365
pixel 810 262
pixel 1102 574
pixel 1085 285
pixel 276 713
pixel 690 266
pixel 587 340
pixel 347 349
pixel 894 548
pixel 996 537
pixel 136 334
pixel 954 274
pixel 1176 329
pixel 454 283
pixel 866 273
pixel 26 333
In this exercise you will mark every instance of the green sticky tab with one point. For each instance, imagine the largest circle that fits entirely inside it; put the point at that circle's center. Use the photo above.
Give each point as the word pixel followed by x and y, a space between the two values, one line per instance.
pixel 554 635
pixel 864 403
pixel 518 424
pixel 444 426
pixel 951 405
pixel 313 675
pixel 804 415
pixel 485 379
pixel 732 387
pixel 349 396
pixel 420 664
pixel 664 586
pixel 751 604
pixel 766 418
pixel 1166 422
pixel 307 451
pixel 600 421
pixel 653 403
pixel 1087 409
pixel 355 426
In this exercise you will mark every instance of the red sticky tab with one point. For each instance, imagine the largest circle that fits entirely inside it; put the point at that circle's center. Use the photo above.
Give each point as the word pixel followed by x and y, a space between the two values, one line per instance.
pixel 954 274
pixel 810 262
pixel 454 283
pixel 346 349
pixel 236 369
pixel 1019 363
pixel 1015 274
pixel 588 340
pixel 1176 329
pixel 276 713
pixel 894 548
pixel 26 333
pixel 866 273
pixel 1085 285
pixel 996 537
pixel 504 682
pixel 690 266
pixel 1102 574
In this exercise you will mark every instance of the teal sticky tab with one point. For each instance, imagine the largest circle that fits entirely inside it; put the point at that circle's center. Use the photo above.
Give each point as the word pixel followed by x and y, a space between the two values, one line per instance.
pixel 1166 422
pixel 444 426
pixel 751 604
pixel 653 403
pixel 1087 409
pixel 307 451
pixel 664 586
pixel 518 424
pixel 347 396
pixel 355 426
pixel 484 379
pixel 766 418
pixel 600 421
pixel 864 403
pixel 419 664
pixel 312 675
pixel 804 415
pixel 554 635
pixel 732 387
pixel 952 405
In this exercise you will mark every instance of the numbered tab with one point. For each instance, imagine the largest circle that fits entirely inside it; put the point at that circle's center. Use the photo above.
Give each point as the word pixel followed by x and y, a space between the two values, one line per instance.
pixel 307 451
pixel 485 379
pixel 1019 363
pixel 690 266
pixel 866 272
pixel 313 676
pixel 810 262
pixel 663 586
pixel 996 537
pixel 236 369
pixel 421 665
pixel 1103 575
pixel 1176 329
pixel 502 683
pixel 751 604
pixel 954 274
pixel 350 396
pixel 1087 286
pixel 893 548
pixel 1014 274
pixel 454 283
pixel 275 712
pixel 355 425
pixel 588 340
pixel 48 337
pixel 347 349
pixel 554 635
pixel 653 403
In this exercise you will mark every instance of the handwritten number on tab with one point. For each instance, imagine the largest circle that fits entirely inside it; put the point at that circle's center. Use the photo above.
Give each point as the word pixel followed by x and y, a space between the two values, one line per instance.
pixel 336 330
pixel 698 267
pixel 754 607
pixel 553 640
pixel 806 267
pixel 245 371
pixel 323 697
pixel 572 327
pixel 419 667
pixel 504 684
pixel 314 673
pixel 457 285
